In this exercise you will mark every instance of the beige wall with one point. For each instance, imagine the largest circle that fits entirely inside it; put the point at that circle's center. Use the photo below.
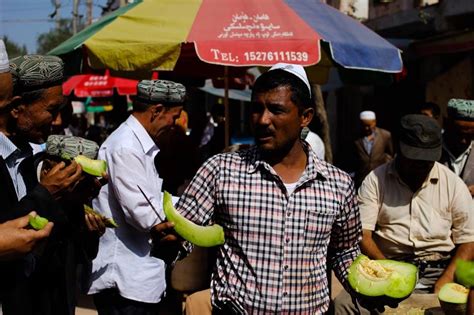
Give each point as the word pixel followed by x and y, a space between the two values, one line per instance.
pixel 380 9
pixel 454 83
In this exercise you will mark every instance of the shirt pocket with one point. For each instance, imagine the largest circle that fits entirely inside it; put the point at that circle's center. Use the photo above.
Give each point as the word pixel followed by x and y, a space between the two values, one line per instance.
pixel 438 225
pixel 318 227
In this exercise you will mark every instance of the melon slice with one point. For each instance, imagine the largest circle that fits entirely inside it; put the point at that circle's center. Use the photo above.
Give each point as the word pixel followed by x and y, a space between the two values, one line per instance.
pixel 37 222
pixel 108 222
pixel 465 272
pixel 453 298
pixel 204 236
pixel 92 167
pixel 382 277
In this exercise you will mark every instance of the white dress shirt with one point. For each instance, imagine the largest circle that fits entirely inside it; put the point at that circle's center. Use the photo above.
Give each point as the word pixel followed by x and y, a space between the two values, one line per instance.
pixel 457 164
pixel 124 260
pixel 316 144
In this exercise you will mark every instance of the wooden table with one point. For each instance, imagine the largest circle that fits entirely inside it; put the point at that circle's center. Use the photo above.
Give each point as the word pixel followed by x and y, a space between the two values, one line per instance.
pixel 418 304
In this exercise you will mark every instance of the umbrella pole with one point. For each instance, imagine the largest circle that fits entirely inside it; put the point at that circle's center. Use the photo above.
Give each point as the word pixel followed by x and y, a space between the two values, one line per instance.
pixel 226 106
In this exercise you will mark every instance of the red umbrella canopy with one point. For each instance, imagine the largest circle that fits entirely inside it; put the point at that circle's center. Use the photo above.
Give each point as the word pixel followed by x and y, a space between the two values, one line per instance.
pixel 94 85
pixel 150 34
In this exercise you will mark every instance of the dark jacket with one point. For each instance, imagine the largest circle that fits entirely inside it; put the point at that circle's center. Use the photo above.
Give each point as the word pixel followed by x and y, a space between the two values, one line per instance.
pixel 43 282
pixel 467 173
pixel 382 152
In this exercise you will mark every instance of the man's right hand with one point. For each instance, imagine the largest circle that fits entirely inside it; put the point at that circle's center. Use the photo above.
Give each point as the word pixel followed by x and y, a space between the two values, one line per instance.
pixel 61 177
pixel 378 303
pixel 166 244
pixel 17 240
pixel 164 232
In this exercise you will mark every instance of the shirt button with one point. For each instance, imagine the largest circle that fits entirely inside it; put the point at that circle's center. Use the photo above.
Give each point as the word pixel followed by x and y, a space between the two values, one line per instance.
pixel 285 293
pixel 285 267
pixel 288 214
pixel 287 240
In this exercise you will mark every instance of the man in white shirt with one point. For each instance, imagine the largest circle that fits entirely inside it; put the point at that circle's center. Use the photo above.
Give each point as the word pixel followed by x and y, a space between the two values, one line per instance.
pixel 315 142
pixel 125 278
pixel 458 138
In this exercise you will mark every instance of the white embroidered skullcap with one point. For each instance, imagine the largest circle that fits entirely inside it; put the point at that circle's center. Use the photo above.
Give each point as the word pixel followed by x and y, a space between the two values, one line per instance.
pixel 367 115
pixel 4 64
pixel 296 70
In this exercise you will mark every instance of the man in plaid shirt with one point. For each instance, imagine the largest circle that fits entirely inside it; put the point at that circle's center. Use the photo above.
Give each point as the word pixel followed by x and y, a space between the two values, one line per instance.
pixel 284 211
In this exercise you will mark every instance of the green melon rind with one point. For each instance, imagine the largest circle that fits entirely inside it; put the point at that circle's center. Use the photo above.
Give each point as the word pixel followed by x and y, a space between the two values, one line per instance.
pixel 465 272
pixel 452 301
pixel 452 308
pixel 37 222
pixel 399 285
pixel 92 167
pixel 403 280
pixel 204 236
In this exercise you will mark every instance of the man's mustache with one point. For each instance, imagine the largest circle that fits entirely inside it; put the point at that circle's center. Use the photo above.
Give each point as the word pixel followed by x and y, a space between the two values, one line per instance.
pixel 264 132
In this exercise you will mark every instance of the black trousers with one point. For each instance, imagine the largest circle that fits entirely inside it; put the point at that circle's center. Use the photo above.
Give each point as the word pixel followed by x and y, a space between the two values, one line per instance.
pixel 110 302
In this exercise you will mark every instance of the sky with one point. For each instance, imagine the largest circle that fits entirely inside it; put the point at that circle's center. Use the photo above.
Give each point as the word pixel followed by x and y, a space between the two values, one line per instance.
pixel 23 20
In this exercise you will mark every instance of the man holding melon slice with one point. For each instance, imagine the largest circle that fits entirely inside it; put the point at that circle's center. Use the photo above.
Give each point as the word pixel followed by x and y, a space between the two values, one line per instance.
pixel 285 213
pixel 125 278
pixel 415 209
pixel 15 237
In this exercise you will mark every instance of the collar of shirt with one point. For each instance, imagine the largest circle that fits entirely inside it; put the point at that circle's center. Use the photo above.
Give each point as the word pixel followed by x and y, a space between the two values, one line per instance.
pixel 147 143
pixel 312 171
pixel 7 147
pixel 432 177
pixel 460 157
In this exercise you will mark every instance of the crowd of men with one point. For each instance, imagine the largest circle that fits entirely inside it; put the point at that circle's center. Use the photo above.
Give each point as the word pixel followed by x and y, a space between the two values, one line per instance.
pixel 286 213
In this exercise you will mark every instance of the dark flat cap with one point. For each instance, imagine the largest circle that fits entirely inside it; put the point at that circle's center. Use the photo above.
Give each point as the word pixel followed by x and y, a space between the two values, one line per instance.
pixel 34 72
pixel 420 138
pixel 461 109
pixel 161 91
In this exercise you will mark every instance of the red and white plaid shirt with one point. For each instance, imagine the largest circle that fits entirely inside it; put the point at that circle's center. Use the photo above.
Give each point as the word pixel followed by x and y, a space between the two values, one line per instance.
pixel 274 257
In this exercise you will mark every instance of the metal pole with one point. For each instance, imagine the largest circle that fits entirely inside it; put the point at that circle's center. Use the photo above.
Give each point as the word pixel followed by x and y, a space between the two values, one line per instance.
pixel 226 106
pixel 89 12
pixel 57 7
pixel 75 16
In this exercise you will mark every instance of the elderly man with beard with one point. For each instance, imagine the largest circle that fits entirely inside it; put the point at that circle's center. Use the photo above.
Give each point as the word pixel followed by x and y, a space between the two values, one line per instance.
pixel 125 278
pixel 25 121
pixel 285 213
pixel 15 239
pixel 37 97
pixel 458 140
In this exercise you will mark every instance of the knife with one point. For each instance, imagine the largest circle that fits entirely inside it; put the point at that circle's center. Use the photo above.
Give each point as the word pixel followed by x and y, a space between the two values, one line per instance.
pixel 151 205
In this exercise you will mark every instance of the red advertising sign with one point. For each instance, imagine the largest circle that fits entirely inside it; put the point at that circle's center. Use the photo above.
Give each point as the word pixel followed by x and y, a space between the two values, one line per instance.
pixel 252 32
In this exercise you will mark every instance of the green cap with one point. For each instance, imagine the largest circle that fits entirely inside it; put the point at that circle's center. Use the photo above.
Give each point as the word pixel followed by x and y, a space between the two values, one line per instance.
pixel 461 109
pixel 161 91
pixel 34 72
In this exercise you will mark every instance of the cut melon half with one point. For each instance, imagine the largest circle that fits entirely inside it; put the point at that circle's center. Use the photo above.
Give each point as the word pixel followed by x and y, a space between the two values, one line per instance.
pixel 382 277
pixel 453 298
